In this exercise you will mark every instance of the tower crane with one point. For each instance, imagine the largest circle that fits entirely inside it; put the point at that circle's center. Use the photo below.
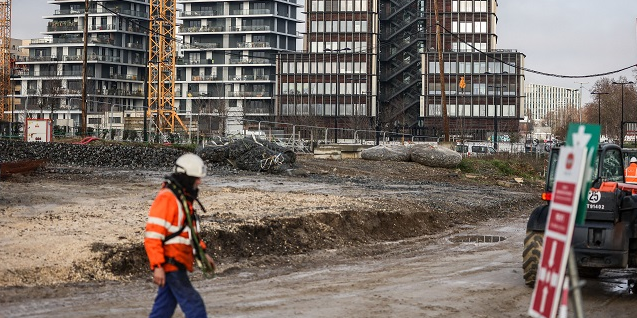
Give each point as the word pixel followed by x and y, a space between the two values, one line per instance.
pixel 5 56
pixel 162 55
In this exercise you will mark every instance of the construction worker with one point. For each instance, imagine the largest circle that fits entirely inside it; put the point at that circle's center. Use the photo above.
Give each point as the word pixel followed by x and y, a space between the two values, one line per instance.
pixel 630 174
pixel 172 236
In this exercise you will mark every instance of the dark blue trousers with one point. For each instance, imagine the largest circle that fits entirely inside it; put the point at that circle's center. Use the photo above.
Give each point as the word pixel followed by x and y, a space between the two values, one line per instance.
pixel 178 290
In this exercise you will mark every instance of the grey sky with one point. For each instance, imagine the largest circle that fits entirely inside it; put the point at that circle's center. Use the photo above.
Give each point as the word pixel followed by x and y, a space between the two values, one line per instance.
pixel 565 37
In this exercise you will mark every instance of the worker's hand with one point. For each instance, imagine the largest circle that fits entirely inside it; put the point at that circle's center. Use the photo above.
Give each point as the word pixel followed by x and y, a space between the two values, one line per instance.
pixel 159 276
pixel 212 262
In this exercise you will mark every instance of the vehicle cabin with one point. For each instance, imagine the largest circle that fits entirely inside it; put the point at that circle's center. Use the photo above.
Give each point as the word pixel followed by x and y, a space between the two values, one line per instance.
pixel 475 150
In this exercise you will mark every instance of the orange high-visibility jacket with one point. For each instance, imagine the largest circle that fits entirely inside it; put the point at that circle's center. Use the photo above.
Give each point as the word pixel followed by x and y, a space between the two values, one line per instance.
pixel 167 216
pixel 630 173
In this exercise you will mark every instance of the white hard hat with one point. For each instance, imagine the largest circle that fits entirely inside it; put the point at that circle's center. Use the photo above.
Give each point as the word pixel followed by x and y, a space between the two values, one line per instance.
pixel 190 165
pixel 633 159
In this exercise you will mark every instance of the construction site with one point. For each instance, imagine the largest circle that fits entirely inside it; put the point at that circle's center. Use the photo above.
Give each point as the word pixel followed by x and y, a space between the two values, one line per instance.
pixel 369 238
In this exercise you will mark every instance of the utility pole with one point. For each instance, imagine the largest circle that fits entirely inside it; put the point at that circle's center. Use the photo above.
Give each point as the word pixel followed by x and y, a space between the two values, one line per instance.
pixel 581 88
pixel 443 98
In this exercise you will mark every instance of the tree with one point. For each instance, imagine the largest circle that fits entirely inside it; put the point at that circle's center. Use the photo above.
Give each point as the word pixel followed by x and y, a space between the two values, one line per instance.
pixel 611 105
pixel 212 111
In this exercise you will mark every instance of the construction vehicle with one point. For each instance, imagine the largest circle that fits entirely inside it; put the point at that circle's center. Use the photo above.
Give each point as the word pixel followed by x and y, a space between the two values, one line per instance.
pixel 608 236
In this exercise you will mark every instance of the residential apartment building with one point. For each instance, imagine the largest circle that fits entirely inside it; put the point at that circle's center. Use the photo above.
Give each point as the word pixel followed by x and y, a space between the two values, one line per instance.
pixel 334 82
pixel 51 76
pixel 547 105
pixel 227 72
pixel 490 99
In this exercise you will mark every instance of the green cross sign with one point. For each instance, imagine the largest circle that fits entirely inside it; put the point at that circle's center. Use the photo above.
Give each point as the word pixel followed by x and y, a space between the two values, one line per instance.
pixel 580 136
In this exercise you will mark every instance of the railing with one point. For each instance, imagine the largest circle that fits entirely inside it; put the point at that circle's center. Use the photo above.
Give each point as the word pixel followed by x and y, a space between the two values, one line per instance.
pixel 252 60
pixel 124 76
pixel 252 44
pixel 248 94
pixel 198 78
pixel 251 28
pixel 251 12
pixel 346 135
pixel 195 62
pixel 203 29
pixel 249 78
pixel 199 13
pixel 197 45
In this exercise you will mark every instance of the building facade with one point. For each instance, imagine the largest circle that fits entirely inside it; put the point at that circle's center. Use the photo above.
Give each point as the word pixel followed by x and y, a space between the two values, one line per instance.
pixel 334 82
pixel 483 85
pixel 51 75
pixel 547 104
pixel 227 72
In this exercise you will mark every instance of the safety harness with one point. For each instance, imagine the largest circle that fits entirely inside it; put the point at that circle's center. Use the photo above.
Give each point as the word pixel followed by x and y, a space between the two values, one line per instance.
pixel 200 255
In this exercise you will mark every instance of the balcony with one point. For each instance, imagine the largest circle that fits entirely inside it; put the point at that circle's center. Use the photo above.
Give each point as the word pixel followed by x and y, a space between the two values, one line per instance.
pixel 203 29
pixel 199 13
pixel 253 44
pixel 251 12
pixel 198 45
pixel 253 60
pixel 204 78
pixel 196 62
pixel 251 28
pixel 248 94
pixel 135 46
pixel 250 78
pixel 124 76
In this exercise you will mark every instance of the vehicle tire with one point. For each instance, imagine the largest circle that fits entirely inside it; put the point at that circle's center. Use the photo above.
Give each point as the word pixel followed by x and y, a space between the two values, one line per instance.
pixel 589 272
pixel 531 255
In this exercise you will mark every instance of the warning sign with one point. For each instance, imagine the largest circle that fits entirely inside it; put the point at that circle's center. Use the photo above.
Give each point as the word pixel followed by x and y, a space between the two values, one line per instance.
pixel 573 167
pixel 38 130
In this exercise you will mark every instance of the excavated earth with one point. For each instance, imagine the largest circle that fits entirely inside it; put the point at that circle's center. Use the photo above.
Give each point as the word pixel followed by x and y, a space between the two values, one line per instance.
pixel 74 224
pixel 71 231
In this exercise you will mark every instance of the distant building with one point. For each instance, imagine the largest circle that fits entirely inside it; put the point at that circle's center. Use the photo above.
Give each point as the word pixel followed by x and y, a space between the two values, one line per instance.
pixel 543 102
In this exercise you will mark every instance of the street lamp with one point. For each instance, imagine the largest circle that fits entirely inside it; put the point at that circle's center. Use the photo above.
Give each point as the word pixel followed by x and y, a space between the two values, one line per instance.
pixel 495 115
pixel 599 106
pixel 338 69
pixel 622 121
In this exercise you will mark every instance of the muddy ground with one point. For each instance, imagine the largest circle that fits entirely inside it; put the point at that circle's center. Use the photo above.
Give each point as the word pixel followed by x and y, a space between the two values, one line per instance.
pixel 330 238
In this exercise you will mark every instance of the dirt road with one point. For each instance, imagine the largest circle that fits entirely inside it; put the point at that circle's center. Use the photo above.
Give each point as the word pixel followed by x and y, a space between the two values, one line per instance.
pixel 338 239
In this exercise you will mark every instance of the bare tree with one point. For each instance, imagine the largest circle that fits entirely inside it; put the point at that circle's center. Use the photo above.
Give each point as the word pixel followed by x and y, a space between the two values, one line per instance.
pixel 610 105
pixel 212 111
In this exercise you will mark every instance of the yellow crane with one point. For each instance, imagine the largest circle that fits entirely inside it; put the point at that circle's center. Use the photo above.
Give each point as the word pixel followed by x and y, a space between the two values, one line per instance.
pixel 162 56
pixel 5 56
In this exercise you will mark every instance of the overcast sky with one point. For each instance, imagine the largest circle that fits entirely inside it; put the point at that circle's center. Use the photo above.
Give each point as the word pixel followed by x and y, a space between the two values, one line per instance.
pixel 563 37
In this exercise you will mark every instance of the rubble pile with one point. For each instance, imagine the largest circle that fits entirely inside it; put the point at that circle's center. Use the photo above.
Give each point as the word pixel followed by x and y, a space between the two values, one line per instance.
pixel 116 156
pixel 251 154
pixel 245 154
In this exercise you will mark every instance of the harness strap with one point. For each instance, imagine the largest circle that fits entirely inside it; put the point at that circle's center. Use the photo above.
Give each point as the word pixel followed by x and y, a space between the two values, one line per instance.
pixel 172 261
pixel 172 235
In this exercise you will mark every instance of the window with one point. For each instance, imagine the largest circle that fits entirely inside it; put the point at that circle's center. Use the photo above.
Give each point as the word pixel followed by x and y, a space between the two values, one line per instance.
pixel 480 27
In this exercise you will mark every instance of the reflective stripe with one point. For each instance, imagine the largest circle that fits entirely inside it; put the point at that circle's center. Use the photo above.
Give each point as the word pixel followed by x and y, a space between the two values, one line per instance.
pixel 178 240
pixel 154 235
pixel 161 222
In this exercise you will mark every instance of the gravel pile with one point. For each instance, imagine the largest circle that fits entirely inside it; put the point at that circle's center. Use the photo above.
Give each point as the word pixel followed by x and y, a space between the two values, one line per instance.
pixel 116 156
pixel 244 154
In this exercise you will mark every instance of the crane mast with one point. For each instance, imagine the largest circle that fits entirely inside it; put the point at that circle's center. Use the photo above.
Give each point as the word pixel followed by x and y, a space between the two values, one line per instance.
pixel 162 55
pixel 5 56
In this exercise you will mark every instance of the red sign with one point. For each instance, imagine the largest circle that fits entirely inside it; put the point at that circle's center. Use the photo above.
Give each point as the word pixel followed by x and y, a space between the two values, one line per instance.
pixel 548 277
pixel 559 229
